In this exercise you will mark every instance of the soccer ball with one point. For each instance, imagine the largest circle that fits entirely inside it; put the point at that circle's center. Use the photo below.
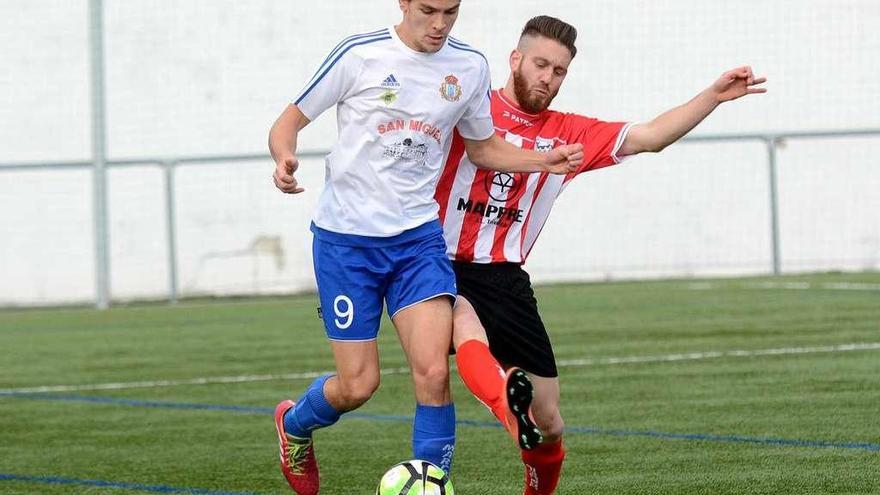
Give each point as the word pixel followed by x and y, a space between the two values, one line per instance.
pixel 415 477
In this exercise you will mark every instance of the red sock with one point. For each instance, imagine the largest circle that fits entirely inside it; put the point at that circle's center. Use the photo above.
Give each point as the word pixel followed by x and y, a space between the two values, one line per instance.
pixel 482 375
pixel 543 467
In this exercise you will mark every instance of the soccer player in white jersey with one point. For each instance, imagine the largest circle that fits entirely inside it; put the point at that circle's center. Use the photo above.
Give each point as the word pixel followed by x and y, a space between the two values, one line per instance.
pixel 399 92
pixel 492 219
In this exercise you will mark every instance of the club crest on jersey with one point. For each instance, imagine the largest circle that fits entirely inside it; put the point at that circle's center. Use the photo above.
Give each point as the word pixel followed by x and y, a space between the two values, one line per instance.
pixel 543 145
pixel 450 90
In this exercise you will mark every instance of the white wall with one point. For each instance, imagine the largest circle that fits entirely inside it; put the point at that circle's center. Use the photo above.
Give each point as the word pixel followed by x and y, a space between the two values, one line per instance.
pixel 193 77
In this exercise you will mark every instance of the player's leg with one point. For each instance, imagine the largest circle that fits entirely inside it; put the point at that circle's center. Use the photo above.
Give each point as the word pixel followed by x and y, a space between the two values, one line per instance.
pixel 546 407
pixel 508 394
pixel 425 332
pixel 505 302
pixel 419 301
pixel 544 464
pixel 349 288
pixel 357 374
pixel 350 282
pixel 478 369
pixel 329 396
pixel 320 406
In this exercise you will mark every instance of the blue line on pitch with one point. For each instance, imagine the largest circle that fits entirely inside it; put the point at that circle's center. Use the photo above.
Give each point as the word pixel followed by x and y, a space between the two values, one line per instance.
pixel 701 437
pixel 138 403
pixel 54 480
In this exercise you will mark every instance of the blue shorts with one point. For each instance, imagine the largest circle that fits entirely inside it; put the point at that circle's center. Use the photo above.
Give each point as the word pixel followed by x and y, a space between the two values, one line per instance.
pixel 355 274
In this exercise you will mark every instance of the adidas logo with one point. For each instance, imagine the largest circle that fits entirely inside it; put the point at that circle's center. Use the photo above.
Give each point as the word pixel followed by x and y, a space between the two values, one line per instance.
pixel 390 82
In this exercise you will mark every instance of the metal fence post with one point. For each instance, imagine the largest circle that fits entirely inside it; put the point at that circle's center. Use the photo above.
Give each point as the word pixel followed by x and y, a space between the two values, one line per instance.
pixel 99 157
pixel 774 203
pixel 171 226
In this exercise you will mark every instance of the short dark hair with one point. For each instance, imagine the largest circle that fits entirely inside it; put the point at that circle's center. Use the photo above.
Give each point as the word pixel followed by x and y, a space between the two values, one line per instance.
pixel 554 29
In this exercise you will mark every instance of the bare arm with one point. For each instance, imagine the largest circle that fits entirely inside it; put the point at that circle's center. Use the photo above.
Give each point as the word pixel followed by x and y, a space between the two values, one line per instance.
pixel 673 124
pixel 497 154
pixel 282 146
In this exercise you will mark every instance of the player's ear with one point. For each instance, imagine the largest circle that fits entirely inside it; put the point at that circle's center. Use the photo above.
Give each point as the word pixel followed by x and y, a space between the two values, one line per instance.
pixel 404 4
pixel 515 59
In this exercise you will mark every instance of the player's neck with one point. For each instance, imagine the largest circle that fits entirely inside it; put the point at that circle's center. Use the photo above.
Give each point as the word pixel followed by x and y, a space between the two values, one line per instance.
pixel 408 38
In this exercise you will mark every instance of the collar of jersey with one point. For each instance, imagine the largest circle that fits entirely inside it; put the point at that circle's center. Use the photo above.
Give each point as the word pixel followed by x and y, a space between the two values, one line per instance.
pixel 403 46
pixel 513 106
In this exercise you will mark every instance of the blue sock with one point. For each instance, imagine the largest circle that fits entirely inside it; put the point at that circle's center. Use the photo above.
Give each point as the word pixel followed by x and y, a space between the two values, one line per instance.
pixel 434 434
pixel 312 411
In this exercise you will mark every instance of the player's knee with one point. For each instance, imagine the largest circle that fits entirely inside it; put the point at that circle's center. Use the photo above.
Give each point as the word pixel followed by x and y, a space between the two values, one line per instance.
pixel 359 390
pixel 550 423
pixel 466 324
pixel 433 379
pixel 432 374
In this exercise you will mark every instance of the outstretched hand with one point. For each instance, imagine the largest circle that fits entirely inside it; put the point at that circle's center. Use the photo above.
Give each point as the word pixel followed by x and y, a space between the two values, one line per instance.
pixel 565 159
pixel 736 83
pixel 283 176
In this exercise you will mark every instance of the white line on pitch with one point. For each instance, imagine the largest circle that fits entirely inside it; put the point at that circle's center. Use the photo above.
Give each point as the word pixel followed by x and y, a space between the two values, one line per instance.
pixel 691 356
pixel 787 286
pixel 190 381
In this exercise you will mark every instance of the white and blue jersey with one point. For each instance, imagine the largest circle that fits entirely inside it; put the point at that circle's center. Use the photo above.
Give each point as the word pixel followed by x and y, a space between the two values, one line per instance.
pixel 396 111
pixel 377 234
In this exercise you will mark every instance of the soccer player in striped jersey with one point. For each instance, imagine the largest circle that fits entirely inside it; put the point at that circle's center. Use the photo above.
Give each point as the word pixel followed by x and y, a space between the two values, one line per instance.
pixel 399 93
pixel 491 220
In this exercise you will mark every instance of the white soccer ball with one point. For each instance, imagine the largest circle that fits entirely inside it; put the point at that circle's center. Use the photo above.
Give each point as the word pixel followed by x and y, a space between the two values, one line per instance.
pixel 415 477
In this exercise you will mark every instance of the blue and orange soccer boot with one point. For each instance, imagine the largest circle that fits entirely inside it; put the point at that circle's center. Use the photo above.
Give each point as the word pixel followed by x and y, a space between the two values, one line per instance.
pixel 518 395
pixel 298 463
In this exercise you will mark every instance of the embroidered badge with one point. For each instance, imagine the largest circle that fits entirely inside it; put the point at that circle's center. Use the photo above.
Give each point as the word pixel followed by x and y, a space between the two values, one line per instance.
pixel 388 97
pixel 450 90
pixel 543 145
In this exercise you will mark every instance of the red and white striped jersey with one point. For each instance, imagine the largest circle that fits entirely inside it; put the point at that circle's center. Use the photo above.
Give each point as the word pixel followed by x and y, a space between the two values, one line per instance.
pixel 494 217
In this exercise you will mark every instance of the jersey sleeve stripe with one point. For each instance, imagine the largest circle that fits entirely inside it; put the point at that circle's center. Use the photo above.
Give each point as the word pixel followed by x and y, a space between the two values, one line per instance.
pixel 345 42
pixel 466 48
pixel 458 42
pixel 318 78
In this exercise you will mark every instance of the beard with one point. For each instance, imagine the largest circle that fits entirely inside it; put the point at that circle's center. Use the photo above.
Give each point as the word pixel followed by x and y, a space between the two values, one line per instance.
pixel 531 103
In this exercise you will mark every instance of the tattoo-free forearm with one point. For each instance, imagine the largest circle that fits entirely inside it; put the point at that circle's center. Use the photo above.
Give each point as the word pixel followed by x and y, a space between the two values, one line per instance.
pixel 499 155
pixel 284 132
pixel 670 126
pixel 674 124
